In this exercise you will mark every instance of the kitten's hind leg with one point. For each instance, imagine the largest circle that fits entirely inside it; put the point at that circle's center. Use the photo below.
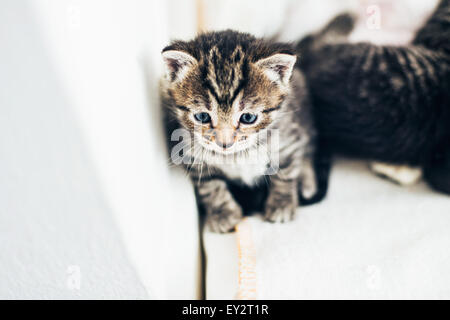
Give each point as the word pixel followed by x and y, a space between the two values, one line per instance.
pixel 337 30
pixel 401 174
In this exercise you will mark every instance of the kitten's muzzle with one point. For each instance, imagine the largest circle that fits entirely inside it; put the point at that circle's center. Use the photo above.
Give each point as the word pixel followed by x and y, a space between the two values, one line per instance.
pixel 225 138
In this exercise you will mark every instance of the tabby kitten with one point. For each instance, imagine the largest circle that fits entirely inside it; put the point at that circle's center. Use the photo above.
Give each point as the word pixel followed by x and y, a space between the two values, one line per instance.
pixel 236 96
pixel 384 103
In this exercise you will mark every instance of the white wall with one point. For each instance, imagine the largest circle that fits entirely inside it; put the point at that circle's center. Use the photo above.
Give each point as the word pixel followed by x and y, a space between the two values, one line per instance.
pixel 290 20
pixel 103 57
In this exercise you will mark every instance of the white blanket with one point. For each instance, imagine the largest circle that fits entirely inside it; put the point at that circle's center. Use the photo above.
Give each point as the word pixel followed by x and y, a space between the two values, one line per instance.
pixel 370 239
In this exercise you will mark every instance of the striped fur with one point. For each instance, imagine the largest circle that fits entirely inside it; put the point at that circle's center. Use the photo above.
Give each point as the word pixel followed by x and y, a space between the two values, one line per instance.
pixel 385 103
pixel 226 74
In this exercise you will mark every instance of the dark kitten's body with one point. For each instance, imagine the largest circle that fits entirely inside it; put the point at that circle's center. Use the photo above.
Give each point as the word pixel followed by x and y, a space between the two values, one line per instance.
pixel 221 80
pixel 385 103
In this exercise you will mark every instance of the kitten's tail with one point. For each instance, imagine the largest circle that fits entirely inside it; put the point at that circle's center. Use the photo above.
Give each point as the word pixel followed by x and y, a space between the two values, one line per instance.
pixel 322 167
pixel 337 30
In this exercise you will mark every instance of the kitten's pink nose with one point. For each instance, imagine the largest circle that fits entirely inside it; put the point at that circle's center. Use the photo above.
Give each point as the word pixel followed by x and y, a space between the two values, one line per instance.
pixel 225 137
pixel 224 145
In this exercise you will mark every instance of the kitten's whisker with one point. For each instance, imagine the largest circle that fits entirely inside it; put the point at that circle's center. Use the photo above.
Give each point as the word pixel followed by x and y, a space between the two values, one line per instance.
pixel 208 153
pixel 201 166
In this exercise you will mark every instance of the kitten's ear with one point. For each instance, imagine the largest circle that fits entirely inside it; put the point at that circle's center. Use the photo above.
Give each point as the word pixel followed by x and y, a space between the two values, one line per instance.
pixel 278 67
pixel 177 64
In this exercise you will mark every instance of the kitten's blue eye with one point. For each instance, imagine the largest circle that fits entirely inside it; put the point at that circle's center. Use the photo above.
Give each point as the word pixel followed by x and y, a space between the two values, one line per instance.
pixel 248 118
pixel 202 117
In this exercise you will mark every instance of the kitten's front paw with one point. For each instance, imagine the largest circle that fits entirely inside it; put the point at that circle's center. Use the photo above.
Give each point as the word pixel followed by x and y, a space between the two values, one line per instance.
pixel 224 219
pixel 280 211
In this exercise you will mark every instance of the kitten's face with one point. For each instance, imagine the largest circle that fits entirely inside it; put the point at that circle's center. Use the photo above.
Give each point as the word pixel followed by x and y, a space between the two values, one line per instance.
pixel 226 101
